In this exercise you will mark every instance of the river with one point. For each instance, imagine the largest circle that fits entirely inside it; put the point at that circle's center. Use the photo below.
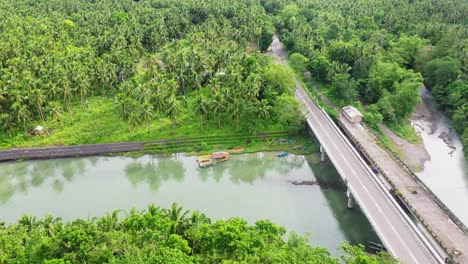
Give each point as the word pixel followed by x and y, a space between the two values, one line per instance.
pixel 446 173
pixel 251 186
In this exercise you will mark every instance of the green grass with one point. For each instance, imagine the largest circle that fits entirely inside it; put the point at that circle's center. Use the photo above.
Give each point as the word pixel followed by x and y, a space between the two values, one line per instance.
pixel 255 145
pixel 405 130
pixel 101 123
pixel 386 141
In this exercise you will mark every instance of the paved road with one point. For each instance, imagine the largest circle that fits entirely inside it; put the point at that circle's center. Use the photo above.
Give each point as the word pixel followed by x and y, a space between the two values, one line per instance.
pixel 394 230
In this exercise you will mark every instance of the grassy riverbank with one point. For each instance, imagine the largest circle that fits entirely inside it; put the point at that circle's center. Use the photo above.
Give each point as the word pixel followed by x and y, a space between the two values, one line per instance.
pixel 100 123
pixel 248 142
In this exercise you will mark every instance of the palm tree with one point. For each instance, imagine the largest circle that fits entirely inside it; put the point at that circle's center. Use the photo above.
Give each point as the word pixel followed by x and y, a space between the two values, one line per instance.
pixel 50 223
pixel 54 109
pixel 133 119
pixel 28 221
pixel 178 218
pixel 144 93
pixel 110 221
pixel 39 99
pixel 173 109
pixel 22 113
pixel 3 98
pixel 201 107
pixel 153 210
pixel 83 88
pixel 264 109
pixel 236 110
pixel 67 94
pixel 148 115
pixel 218 105
pixel 7 123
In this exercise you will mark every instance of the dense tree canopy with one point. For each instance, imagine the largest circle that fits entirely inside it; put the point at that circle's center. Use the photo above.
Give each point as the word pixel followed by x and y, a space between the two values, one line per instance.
pixel 158 58
pixel 159 235
pixel 374 53
pixel 155 58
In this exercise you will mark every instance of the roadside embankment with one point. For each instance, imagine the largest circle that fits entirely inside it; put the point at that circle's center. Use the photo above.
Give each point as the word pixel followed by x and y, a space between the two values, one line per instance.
pixel 268 141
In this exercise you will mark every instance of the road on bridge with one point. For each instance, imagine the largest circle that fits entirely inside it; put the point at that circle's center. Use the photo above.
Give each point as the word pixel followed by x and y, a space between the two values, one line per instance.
pixel 394 230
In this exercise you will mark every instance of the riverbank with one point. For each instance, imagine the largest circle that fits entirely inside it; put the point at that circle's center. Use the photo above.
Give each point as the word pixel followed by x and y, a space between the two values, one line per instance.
pixel 252 186
pixel 446 172
pixel 265 141
pixel 100 123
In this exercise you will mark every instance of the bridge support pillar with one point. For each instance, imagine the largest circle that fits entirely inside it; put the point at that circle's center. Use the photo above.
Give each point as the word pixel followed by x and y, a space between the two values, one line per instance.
pixel 350 199
pixel 323 156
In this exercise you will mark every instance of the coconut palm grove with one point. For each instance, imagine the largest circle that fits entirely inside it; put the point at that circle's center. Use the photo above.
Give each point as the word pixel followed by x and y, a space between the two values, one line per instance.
pixel 102 71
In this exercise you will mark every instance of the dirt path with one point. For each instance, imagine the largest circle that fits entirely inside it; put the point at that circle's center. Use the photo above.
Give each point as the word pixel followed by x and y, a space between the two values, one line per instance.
pixel 69 151
pixel 100 149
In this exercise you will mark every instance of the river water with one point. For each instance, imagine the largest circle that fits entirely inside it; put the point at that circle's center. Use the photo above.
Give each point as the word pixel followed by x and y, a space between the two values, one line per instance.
pixel 446 173
pixel 252 186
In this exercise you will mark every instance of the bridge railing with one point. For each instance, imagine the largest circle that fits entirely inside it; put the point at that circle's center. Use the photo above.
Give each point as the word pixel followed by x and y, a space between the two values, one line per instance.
pixel 431 249
pixel 407 169
pixel 447 210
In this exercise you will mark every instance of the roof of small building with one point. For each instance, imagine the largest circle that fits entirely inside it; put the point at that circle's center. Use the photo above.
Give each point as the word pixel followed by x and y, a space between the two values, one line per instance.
pixel 351 111
pixel 219 154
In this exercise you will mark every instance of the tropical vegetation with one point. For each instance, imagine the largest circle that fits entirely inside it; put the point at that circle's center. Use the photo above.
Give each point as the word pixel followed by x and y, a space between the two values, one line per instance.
pixel 159 235
pixel 377 55
pixel 138 67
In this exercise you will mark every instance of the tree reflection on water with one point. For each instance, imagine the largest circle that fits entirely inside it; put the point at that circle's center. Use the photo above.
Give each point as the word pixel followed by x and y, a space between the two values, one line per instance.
pixel 154 170
pixel 18 177
pixel 247 168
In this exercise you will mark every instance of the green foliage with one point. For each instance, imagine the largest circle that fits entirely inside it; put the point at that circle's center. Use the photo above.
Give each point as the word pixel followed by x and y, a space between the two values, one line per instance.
pixel 405 49
pixel 344 87
pixel 320 67
pixel 405 130
pixel 298 62
pixel 289 115
pixel 158 61
pixel 441 71
pixel 278 80
pixel 372 116
pixel 356 255
pixel 264 41
pixel 378 44
pixel 464 138
pixel 159 235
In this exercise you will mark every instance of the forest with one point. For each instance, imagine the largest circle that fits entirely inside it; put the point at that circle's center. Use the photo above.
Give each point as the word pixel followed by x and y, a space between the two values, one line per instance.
pixel 122 70
pixel 377 54
pixel 133 70
pixel 158 235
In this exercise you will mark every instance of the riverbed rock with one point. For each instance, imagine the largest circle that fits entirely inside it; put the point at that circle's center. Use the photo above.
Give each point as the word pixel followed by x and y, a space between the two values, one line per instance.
pixel 304 182
pixel 447 140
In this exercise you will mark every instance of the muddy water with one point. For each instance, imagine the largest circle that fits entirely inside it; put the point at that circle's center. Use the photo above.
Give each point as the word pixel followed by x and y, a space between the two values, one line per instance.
pixel 252 186
pixel 446 173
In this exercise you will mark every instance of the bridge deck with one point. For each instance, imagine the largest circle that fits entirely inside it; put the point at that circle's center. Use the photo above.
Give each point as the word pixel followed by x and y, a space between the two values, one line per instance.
pixel 395 232
pixel 449 234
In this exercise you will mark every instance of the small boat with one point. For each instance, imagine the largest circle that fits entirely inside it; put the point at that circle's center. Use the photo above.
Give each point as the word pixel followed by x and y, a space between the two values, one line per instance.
pixel 210 160
pixel 237 150
pixel 282 154
pixel 300 147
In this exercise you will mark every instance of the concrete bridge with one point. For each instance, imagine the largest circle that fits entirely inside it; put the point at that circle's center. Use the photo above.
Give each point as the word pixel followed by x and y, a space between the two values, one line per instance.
pixel 398 233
